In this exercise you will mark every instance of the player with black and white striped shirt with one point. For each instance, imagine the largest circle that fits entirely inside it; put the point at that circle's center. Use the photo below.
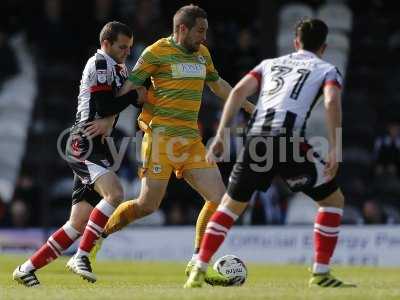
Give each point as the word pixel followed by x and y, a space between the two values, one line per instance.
pixel 289 87
pixel 97 190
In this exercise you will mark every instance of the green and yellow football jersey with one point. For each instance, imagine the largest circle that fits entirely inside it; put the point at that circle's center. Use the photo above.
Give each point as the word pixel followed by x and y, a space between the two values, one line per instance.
pixel 177 78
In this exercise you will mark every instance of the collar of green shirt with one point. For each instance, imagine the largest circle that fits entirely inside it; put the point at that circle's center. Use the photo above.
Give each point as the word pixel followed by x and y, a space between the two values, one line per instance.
pixel 174 43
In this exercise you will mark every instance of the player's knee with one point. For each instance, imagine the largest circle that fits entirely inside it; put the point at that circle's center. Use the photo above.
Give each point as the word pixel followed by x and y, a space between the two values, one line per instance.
pixel 334 200
pixel 146 207
pixel 219 195
pixel 79 224
pixel 115 196
pixel 340 199
pixel 216 195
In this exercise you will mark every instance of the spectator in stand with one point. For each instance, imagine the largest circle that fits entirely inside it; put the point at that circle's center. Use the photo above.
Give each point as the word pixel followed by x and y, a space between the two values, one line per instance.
pixel 52 35
pixel 387 150
pixel 28 193
pixel 20 214
pixel 147 22
pixel 374 213
pixel 246 54
pixel 103 11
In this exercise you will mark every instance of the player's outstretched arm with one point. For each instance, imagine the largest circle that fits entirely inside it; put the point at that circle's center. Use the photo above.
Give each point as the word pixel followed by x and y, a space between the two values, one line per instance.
pixel 237 96
pixel 222 88
pixel 126 88
pixel 245 88
pixel 129 87
pixel 333 106
pixel 107 105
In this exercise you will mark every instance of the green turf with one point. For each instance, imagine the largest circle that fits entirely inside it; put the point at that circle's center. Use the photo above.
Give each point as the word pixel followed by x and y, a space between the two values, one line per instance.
pixel 161 281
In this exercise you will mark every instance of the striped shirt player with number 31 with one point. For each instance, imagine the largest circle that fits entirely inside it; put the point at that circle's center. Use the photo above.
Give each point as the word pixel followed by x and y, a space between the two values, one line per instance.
pixel 275 146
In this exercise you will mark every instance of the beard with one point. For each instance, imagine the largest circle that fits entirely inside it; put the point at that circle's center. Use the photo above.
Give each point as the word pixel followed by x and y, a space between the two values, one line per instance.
pixel 190 46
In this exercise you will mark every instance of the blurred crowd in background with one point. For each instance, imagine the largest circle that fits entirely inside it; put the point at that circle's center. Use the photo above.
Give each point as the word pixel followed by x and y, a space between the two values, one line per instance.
pixel 61 35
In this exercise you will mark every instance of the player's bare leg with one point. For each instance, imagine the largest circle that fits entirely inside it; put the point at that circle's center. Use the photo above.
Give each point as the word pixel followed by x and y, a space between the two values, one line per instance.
pixel 109 187
pixel 208 183
pixel 59 241
pixel 151 194
pixel 219 225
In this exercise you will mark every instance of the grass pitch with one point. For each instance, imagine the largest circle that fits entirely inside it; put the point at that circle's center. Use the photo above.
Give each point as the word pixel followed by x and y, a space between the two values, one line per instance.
pixel 158 280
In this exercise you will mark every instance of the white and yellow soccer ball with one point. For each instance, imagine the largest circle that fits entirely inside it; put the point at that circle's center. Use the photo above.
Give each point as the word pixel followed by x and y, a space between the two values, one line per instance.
pixel 232 267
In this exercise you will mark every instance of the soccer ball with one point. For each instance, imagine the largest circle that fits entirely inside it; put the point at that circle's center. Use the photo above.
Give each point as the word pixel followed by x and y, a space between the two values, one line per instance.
pixel 232 267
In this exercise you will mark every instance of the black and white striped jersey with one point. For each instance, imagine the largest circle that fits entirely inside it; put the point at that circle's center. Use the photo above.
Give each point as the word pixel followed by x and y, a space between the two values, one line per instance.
pixel 101 74
pixel 289 87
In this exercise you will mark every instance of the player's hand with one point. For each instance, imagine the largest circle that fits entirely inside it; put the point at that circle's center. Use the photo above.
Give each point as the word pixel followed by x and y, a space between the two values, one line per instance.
pixel 216 150
pixel 248 107
pixel 99 127
pixel 142 94
pixel 332 165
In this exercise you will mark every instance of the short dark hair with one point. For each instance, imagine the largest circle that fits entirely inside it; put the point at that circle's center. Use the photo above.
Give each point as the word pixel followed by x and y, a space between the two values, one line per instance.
pixel 187 15
pixel 312 33
pixel 111 31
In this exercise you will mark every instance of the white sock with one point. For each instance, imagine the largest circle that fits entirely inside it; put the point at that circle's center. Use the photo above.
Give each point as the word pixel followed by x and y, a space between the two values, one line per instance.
pixel 80 253
pixel 320 268
pixel 27 266
pixel 194 257
pixel 201 265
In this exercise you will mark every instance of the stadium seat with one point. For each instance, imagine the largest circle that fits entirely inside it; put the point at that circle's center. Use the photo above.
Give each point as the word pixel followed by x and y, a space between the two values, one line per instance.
pixel 290 14
pixel 6 188
pixel 10 149
pixel 11 129
pixel 338 16
pixel 339 41
pixel 337 58
pixel 285 42
pixel 16 101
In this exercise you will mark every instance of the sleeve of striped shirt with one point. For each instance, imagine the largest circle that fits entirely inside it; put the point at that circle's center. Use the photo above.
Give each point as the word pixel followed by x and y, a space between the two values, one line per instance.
pixel 100 76
pixel 146 65
pixel 333 77
pixel 257 72
pixel 211 72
